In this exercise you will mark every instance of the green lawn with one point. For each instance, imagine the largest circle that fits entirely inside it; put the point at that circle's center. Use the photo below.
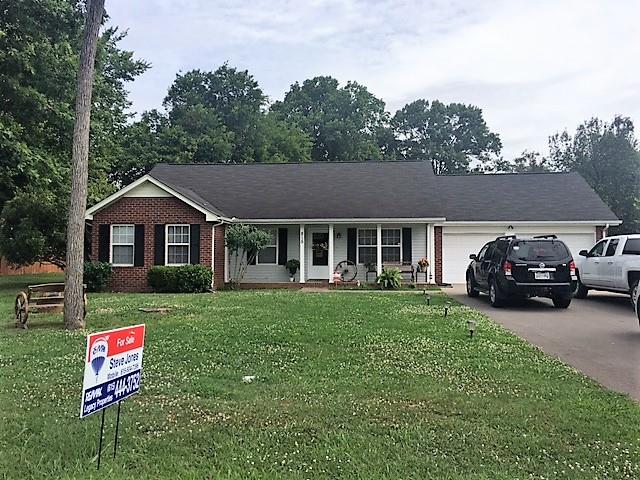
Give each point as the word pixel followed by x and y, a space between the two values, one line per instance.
pixel 350 385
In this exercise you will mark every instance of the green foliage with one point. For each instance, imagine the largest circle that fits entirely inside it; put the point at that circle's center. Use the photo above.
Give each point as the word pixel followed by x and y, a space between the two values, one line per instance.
pixel 451 136
pixel 32 229
pixel 97 275
pixel 345 123
pixel 244 242
pixel 180 279
pixel 39 53
pixel 211 117
pixel 606 155
pixel 526 162
pixel 390 278
pixel 292 266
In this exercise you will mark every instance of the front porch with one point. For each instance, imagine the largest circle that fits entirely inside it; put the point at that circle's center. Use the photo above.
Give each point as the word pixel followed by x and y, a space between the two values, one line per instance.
pixel 320 247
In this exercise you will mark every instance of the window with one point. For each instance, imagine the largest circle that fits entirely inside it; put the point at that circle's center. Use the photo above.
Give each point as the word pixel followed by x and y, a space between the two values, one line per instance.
pixel 269 254
pixel 500 251
pixel 632 247
pixel 539 251
pixel 611 249
pixel 367 241
pixel 598 250
pixel 391 245
pixel 178 241
pixel 483 251
pixel 122 245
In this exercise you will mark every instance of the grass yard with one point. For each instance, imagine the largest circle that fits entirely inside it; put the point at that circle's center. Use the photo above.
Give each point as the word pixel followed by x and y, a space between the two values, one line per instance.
pixel 350 385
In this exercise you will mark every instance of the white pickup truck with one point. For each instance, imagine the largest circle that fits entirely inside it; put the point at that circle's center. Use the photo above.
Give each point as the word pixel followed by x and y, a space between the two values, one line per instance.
pixel 613 264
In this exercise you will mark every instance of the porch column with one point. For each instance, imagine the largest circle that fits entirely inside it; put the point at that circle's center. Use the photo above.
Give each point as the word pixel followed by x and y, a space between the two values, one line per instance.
pixel 302 253
pixel 227 267
pixel 379 250
pixel 331 253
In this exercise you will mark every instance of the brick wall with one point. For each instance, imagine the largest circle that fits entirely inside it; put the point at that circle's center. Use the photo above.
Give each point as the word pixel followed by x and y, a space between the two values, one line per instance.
pixel 149 212
pixel 218 262
pixel 437 233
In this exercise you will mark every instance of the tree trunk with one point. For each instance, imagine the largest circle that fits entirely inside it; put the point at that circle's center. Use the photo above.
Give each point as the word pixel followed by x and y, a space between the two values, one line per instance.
pixel 74 298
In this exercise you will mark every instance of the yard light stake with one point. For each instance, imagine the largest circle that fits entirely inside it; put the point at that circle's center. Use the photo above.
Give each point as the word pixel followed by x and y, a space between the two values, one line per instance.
pixel 101 435
pixel 471 325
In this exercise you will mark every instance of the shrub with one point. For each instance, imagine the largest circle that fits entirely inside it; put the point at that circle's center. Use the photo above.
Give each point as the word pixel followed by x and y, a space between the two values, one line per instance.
pixel 390 278
pixel 244 242
pixel 182 279
pixel 97 275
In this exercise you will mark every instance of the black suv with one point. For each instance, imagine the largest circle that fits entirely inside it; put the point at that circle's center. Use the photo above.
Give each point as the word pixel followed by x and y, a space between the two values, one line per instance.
pixel 511 267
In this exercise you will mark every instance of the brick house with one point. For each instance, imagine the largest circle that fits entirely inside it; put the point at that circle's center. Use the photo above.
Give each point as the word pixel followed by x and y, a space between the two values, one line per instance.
pixel 374 214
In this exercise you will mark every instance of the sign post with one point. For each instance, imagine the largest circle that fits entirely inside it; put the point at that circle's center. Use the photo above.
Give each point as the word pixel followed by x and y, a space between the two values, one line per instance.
pixel 112 372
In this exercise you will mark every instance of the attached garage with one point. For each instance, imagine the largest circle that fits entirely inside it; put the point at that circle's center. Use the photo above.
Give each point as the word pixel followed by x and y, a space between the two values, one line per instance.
pixel 460 241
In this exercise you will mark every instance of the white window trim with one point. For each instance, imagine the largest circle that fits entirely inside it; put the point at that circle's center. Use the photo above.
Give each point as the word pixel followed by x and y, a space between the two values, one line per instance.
pixel 375 245
pixel 166 244
pixel 277 237
pixel 112 244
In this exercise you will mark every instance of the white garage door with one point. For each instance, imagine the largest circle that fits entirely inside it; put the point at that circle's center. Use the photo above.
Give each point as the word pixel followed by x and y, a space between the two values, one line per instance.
pixel 456 248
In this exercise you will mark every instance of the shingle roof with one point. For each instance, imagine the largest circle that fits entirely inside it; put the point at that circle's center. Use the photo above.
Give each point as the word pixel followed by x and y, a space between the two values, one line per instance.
pixel 381 190
pixel 521 197
pixel 309 190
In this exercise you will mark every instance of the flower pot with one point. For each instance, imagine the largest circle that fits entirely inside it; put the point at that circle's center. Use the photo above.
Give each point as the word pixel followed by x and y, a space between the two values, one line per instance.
pixel 291 279
pixel 422 269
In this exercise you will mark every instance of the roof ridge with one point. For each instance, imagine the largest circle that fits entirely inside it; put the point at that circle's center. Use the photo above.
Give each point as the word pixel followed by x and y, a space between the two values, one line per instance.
pixel 355 162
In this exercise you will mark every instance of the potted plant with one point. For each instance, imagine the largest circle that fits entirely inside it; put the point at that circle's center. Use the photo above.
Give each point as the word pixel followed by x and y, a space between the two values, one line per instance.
pixel 292 266
pixel 423 264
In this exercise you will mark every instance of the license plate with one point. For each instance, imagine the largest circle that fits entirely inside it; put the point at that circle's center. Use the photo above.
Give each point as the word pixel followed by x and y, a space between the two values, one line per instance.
pixel 542 276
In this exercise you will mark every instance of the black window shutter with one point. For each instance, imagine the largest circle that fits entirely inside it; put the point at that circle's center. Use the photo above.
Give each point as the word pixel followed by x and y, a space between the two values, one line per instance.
pixel 104 241
pixel 138 254
pixel 283 234
pixel 406 246
pixel 352 244
pixel 194 243
pixel 159 245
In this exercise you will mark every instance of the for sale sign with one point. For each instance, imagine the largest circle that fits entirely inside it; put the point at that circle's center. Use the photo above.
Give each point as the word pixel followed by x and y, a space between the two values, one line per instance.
pixel 113 368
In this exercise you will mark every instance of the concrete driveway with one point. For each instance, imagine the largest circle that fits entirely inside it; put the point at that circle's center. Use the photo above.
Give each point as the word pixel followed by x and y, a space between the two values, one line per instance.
pixel 599 336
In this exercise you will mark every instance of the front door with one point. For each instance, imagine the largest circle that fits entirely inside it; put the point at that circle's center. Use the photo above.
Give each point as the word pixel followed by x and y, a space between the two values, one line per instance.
pixel 318 253
pixel 590 269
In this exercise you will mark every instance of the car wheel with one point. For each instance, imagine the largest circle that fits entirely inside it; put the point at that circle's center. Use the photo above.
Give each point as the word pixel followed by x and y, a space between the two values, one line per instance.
pixel 471 286
pixel 494 294
pixel 581 291
pixel 561 302
pixel 635 291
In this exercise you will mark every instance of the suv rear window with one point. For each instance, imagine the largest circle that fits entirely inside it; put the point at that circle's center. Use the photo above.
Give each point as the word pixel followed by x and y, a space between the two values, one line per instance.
pixel 539 250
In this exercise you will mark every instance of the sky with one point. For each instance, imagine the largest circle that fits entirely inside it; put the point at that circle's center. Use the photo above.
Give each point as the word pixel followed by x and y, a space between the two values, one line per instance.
pixel 535 67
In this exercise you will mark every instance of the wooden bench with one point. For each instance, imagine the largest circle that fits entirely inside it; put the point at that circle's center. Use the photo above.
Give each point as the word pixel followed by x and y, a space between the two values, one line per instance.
pixel 43 298
pixel 405 269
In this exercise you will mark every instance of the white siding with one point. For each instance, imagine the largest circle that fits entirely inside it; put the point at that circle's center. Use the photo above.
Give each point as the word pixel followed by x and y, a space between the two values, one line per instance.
pixel 278 273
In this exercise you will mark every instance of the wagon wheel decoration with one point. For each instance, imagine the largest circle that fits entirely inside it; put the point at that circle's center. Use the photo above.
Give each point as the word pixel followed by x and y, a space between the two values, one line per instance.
pixel 21 310
pixel 347 270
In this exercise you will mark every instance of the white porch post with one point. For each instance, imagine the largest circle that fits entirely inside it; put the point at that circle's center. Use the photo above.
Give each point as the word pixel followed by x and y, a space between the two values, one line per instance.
pixel 227 266
pixel 331 253
pixel 379 250
pixel 302 253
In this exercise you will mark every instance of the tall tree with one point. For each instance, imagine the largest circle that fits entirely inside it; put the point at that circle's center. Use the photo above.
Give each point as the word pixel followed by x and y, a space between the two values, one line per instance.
pixel 450 136
pixel 74 304
pixel 606 155
pixel 526 162
pixel 345 123
pixel 39 54
pixel 211 117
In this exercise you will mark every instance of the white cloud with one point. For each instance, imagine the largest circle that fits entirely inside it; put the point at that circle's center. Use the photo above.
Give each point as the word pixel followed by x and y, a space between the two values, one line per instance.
pixel 533 67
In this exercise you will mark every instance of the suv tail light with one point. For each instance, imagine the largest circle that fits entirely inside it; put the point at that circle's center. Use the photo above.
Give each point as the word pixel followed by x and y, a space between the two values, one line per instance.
pixel 506 267
pixel 572 268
